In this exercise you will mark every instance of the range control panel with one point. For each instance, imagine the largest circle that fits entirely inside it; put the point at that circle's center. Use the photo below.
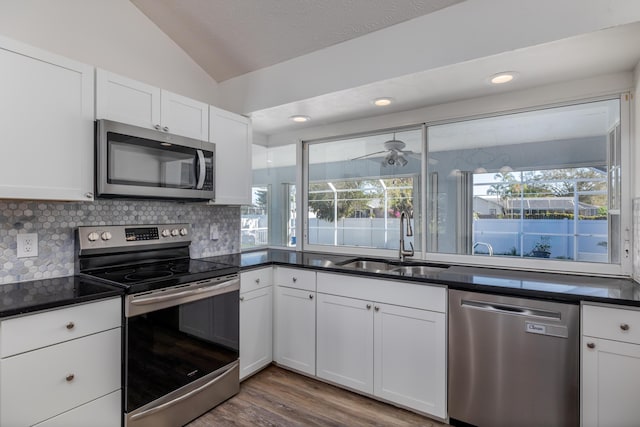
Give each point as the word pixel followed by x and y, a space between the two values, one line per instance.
pixel 114 236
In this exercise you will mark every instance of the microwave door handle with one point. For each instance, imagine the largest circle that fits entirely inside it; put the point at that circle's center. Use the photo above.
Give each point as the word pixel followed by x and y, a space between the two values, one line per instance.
pixel 202 170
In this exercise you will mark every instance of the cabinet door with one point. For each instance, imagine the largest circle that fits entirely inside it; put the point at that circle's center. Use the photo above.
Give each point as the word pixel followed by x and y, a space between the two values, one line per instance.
pixel 128 101
pixel 296 329
pixel 610 383
pixel 410 358
pixel 232 135
pixel 345 341
pixel 46 110
pixel 184 116
pixel 256 331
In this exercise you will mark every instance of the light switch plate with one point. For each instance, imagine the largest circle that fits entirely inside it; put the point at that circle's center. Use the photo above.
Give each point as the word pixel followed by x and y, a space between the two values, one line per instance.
pixel 27 245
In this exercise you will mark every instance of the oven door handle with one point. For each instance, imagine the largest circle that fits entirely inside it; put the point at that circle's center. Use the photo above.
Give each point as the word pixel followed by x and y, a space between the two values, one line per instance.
pixel 218 288
pixel 184 396
pixel 203 170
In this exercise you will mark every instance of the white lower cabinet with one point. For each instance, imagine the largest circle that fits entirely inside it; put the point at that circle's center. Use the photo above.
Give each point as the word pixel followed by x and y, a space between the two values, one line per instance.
pixel 67 382
pixel 610 367
pixel 295 322
pixel 102 412
pixel 256 331
pixel 391 351
pixel 345 342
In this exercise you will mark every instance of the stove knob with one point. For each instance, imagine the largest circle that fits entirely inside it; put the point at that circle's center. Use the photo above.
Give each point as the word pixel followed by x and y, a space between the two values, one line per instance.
pixel 93 236
pixel 166 233
pixel 106 235
pixel 183 231
pixel 175 232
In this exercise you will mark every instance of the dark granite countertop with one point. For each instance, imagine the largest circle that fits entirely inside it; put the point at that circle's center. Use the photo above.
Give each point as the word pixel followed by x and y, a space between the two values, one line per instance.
pixel 550 286
pixel 36 295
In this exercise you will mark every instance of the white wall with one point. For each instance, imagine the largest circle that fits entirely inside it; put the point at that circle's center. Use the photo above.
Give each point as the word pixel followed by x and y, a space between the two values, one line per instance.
pixel 109 34
pixel 463 32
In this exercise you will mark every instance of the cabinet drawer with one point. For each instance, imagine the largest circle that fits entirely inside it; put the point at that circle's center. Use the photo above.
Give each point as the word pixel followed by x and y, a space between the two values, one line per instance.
pixel 295 278
pixel 255 279
pixel 52 327
pixel 58 378
pixel 103 412
pixel 611 323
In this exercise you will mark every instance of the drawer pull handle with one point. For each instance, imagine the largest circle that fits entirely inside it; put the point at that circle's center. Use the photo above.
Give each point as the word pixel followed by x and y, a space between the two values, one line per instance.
pixel 71 325
pixel 295 279
pixel 241 298
pixel 257 281
pixel 624 327
pixel 70 377
pixel 591 345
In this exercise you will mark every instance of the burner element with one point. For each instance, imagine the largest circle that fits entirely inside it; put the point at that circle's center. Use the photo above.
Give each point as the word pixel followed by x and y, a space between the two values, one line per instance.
pixel 147 275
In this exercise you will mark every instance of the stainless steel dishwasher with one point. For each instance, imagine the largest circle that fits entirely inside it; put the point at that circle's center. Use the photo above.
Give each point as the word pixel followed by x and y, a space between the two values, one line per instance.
pixel 513 361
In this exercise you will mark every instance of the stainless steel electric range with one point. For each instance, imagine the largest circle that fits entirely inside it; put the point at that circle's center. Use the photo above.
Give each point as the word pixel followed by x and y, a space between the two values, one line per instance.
pixel 181 320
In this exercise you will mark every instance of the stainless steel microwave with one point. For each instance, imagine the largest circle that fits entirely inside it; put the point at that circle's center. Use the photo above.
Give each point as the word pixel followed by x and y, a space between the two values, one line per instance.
pixel 135 162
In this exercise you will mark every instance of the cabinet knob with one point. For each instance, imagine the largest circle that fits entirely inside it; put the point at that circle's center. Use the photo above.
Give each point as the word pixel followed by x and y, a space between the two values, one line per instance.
pixel 257 281
pixel 624 326
pixel 310 296
pixel 591 345
pixel 70 377
pixel 157 127
pixel 88 195
pixel 295 279
pixel 241 298
pixel 70 325
pixel 368 306
pixel 376 308
pixel 166 129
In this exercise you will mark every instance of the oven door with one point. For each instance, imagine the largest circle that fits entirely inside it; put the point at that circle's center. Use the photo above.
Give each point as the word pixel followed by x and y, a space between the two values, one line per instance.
pixel 138 162
pixel 181 351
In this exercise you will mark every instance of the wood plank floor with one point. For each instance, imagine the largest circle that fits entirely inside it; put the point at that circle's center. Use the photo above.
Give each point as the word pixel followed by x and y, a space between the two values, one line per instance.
pixel 277 397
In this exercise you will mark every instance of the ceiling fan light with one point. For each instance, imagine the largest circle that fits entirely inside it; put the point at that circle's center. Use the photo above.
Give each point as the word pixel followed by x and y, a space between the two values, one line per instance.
pixel 402 161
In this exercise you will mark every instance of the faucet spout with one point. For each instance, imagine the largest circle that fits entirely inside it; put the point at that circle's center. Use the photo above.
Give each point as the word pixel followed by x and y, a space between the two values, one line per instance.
pixel 402 252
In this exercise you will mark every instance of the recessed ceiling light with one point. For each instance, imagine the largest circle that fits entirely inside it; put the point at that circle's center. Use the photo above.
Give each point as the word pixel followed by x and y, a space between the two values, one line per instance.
pixel 503 77
pixel 382 102
pixel 300 118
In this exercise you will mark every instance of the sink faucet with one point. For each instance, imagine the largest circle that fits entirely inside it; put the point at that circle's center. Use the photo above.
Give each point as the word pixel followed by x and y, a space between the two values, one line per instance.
pixel 402 252
pixel 487 245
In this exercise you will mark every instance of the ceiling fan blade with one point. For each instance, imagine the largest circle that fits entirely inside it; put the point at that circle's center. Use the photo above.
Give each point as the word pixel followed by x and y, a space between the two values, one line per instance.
pixel 369 155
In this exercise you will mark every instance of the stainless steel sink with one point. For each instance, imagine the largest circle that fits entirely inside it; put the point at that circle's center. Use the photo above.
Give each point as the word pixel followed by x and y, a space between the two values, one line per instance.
pixel 418 270
pixel 368 265
pixel 383 266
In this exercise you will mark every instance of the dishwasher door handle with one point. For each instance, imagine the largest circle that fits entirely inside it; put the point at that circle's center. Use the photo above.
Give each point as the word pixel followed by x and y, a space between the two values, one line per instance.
pixel 511 309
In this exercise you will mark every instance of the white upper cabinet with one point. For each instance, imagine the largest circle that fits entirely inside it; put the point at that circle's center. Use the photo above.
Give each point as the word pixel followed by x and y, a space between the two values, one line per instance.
pixel 128 101
pixel 232 135
pixel 46 105
pixel 184 116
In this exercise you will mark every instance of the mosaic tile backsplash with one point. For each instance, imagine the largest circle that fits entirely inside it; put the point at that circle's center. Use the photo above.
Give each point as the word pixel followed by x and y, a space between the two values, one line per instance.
pixel 55 222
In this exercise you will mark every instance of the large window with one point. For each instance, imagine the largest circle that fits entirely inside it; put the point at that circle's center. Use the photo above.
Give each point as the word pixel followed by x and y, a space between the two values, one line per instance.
pixel 357 189
pixel 541 184
pixel 271 219
pixel 254 219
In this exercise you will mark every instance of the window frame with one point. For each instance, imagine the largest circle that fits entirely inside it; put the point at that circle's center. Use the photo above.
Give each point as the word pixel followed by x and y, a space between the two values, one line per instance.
pixel 624 268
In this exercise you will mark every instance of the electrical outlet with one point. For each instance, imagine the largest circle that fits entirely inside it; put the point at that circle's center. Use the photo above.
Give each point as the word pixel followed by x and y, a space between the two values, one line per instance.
pixel 214 234
pixel 27 245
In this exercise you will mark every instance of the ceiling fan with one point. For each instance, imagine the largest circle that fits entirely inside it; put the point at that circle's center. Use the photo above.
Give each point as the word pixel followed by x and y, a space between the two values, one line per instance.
pixel 395 153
